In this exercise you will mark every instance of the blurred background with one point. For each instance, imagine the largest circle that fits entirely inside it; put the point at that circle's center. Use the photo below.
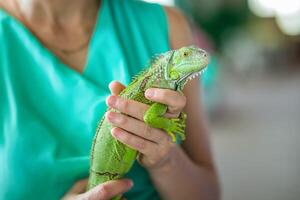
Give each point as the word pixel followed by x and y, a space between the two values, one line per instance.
pixel 251 93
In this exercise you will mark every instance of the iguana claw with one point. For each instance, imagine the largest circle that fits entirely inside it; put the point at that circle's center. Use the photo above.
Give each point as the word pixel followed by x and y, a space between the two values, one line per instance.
pixel 177 127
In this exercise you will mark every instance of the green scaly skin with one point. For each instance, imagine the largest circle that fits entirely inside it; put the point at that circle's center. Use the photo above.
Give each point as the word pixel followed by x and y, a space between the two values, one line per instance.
pixel 110 159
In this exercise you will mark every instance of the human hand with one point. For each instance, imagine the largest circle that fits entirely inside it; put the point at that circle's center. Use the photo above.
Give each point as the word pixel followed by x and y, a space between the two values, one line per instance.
pixel 154 145
pixel 103 191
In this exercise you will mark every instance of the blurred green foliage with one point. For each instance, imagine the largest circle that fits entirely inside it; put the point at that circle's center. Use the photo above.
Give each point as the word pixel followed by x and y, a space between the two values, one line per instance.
pixel 216 17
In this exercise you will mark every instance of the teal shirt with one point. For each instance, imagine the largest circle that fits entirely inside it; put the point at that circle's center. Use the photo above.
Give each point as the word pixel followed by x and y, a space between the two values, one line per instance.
pixel 49 112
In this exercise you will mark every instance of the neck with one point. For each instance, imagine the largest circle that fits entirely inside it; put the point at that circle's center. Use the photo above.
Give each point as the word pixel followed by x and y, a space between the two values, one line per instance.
pixel 57 11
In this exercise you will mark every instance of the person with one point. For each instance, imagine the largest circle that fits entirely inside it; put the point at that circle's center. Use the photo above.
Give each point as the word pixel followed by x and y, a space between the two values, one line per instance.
pixel 57 58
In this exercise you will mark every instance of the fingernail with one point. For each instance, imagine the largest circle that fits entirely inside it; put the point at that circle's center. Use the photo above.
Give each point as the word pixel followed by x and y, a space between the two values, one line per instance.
pixel 130 183
pixel 111 100
pixel 149 93
pixel 111 116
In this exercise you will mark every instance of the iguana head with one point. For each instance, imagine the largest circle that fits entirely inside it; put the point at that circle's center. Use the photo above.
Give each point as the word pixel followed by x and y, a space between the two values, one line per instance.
pixel 173 69
pixel 185 64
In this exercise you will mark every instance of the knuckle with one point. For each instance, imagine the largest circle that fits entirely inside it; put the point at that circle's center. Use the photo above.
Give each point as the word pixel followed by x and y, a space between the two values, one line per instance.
pixel 125 138
pixel 123 119
pixel 180 103
pixel 163 94
pixel 128 139
pixel 166 142
pixel 124 105
pixel 142 144
pixel 156 158
pixel 147 130
pixel 152 162
pixel 160 135
pixel 164 138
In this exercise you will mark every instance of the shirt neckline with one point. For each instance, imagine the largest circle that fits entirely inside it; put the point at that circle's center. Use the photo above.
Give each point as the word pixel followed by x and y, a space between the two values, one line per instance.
pixel 50 53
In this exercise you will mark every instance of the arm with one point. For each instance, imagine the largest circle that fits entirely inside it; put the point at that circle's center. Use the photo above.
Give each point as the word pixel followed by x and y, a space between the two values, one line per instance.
pixel 191 172
pixel 178 172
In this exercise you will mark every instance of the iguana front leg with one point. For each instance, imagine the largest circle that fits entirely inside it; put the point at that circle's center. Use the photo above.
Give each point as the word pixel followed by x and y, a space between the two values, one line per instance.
pixel 154 117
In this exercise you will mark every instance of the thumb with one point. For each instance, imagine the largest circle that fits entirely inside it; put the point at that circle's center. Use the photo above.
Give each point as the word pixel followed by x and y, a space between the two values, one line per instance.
pixel 116 87
pixel 108 190
pixel 78 188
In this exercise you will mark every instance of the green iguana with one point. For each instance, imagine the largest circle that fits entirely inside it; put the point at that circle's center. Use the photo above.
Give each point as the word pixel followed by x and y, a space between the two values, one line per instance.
pixel 110 159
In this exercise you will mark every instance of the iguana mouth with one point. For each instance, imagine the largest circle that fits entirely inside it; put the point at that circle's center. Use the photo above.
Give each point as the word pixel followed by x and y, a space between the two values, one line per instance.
pixel 194 75
pixel 189 77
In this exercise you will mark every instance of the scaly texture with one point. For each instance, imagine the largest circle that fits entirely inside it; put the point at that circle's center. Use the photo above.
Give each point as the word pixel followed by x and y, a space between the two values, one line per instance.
pixel 111 159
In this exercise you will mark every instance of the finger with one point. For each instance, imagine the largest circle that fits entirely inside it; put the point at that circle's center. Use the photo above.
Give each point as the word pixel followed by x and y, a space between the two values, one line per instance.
pixel 116 87
pixel 130 107
pixel 133 141
pixel 109 189
pixel 136 127
pixel 173 99
pixel 78 187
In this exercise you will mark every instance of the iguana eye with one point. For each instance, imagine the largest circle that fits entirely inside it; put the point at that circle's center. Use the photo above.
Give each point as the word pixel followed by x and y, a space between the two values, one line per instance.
pixel 185 53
